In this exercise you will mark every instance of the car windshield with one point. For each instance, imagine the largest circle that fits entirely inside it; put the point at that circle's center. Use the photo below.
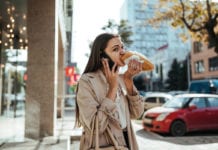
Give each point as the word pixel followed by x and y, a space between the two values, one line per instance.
pixel 176 102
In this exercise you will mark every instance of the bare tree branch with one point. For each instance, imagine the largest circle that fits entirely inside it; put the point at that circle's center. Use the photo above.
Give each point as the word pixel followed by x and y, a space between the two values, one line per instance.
pixel 208 9
pixel 193 21
pixel 215 17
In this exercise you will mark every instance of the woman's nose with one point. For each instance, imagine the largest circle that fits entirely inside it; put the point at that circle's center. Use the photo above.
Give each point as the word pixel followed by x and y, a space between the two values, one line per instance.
pixel 122 51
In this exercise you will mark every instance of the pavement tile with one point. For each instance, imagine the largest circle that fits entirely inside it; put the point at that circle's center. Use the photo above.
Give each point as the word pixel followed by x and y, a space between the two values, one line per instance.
pixel 12 135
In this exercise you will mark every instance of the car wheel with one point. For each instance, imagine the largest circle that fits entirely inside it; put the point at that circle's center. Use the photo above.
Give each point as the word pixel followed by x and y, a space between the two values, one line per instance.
pixel 178 128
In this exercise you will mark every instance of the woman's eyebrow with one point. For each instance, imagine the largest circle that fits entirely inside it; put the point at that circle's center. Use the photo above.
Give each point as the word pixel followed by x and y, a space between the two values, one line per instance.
pixel 115 45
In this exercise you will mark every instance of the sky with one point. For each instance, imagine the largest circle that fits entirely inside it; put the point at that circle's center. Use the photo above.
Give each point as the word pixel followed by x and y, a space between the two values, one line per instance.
pixel 89 17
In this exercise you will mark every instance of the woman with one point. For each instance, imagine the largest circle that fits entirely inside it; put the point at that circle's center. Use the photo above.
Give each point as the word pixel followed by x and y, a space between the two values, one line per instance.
pixel 102 89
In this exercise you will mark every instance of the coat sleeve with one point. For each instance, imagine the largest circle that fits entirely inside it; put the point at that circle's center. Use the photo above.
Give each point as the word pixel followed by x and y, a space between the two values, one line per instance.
pixel 136 106
pixel 89 104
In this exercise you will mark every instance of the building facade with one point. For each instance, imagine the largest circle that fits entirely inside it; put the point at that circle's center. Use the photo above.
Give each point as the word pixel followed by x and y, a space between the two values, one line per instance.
pixel 204 62
pixel 43 30
pixel 161 45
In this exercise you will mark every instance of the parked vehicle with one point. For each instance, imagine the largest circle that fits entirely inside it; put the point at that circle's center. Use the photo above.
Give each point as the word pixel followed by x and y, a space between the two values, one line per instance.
pixel 182 114
pixel 204 86
pixel 173 93
pixel 156 99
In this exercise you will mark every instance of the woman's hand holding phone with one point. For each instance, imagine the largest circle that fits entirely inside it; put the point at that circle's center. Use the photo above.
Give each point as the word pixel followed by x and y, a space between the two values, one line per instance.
pixel 111 77
pixel 110 61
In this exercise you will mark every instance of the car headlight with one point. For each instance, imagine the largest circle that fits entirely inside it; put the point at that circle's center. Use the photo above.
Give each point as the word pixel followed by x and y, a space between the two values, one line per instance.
pixel 162 116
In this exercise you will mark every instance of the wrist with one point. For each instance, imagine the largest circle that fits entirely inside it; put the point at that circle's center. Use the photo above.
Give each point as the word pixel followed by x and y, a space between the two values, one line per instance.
pixel 129 85
pixel 112 94
pixel 128 76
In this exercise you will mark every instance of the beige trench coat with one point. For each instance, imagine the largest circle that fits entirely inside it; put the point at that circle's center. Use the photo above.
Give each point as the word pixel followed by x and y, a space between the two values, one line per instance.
pixel 91 97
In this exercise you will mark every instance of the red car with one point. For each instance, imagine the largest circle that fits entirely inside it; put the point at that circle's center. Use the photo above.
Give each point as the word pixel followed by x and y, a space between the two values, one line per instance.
pixel 182 114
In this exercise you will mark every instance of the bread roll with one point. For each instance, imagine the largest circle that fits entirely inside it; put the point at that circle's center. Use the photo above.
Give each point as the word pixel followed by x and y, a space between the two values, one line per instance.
pixel 146 66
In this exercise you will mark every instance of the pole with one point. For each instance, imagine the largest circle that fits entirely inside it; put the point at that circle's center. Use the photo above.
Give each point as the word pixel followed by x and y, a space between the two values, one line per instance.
pixel 15 86
pixel 188 68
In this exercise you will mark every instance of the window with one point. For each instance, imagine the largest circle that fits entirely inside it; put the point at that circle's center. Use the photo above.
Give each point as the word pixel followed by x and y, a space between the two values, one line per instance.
pixel 199 102
pixel 199 66
pixel 13 41
pixel 162 100
pixel 197 47
pixel 151 100
pixel 213 102
pixel 213 64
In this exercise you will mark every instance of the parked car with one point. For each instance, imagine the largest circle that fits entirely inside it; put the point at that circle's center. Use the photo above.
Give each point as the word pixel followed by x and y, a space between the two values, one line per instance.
pixel 177 92
pixel 204 86
pixel 155 99
pixel 182 114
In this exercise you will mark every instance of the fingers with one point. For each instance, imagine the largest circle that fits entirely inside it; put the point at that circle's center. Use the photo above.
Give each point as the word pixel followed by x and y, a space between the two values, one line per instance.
pixel 135 67
pixel 107 69
pixel 105 64
pixel 115 68
pixel 111 74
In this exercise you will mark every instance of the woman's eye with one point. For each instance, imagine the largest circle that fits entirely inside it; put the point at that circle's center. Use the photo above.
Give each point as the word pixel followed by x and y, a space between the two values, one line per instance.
pixel 116 49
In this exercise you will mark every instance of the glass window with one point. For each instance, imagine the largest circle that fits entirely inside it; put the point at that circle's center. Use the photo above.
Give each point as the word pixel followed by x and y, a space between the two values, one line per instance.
pixel 197 47
pixel 213 102
pixel 199 102
pixel 213 64
pixel 162 100
pixel 199 66
pixel 151 100
pixel 13 58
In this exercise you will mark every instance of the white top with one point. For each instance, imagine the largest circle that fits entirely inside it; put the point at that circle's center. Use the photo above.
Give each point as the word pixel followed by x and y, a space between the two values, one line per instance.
pixel 121 109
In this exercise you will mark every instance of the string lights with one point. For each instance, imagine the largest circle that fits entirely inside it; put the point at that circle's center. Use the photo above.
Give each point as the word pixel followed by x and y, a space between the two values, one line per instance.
pixel 13 29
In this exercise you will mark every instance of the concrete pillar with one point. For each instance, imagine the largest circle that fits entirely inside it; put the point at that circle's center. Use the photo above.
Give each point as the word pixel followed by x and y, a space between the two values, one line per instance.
pixel 61 77
pixel 41 91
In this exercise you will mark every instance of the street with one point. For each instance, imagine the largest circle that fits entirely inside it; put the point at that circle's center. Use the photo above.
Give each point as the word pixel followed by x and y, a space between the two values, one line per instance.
pixel 192 141
pixel 152 141
pixel 146 140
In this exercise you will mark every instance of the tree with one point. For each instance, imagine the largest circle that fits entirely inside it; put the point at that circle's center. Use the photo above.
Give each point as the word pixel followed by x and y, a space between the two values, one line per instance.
pixel 123 29
pixel 200 17
pixel 177 76
pixel 140 81
pixel 183 76
pixel 172 81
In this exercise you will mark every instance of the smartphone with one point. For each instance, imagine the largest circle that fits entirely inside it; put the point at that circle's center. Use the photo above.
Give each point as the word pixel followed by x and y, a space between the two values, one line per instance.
pixel 110 61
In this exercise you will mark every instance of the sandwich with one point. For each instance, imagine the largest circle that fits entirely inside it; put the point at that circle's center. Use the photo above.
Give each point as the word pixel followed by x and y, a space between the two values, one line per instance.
pixel 146 63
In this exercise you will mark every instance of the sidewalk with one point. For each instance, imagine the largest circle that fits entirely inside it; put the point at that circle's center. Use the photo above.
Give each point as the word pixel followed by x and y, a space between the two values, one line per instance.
pixel 12 136
pixel 11 129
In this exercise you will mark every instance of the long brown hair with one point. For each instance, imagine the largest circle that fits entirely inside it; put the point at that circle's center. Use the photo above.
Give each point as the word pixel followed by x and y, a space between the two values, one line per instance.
pixel 99 45
pixel 94 62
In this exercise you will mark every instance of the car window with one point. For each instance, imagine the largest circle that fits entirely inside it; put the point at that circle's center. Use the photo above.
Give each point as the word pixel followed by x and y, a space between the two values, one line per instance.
pixel 162 100
pixel 151 100
pixel 199 102
pixel 213 101
pixel 176 102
